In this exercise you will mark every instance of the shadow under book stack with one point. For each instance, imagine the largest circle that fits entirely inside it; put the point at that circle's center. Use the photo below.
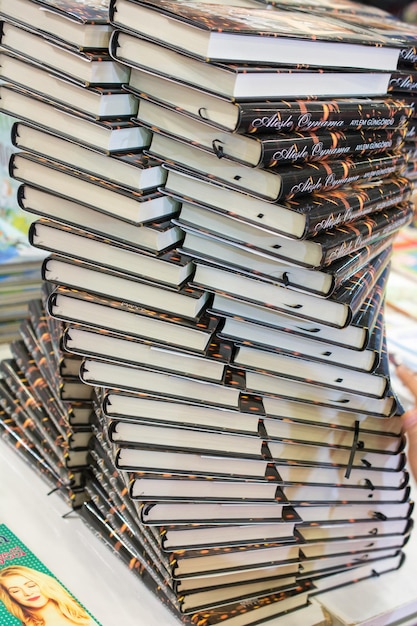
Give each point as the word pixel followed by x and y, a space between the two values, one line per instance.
pixel 220 234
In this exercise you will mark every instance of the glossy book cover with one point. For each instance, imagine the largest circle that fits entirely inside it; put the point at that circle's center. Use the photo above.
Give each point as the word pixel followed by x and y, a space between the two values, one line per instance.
pixel 127 319
pixel 29 590
pixel 263 21
pixel 83 11
pixel 312 115
pixel 317 146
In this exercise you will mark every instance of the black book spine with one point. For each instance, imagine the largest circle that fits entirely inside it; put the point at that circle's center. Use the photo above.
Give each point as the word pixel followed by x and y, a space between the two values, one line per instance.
pixel 21 436
pixel 341 206
pixel 40 388
pixel 311 147
pixel 348 265
pixel 15 439
pixel 20 388
pixel 339 241
pixel 408 57
pixel 367 314
pixel 133 538
pixel 37 439
pixel 303 115
pixel 357 287
pixel 39 321
pixel 298 180
pixel 94 519
pixel 402 82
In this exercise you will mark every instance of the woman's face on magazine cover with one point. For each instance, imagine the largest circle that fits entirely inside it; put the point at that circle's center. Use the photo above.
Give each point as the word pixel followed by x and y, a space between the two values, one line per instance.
pixel 24 591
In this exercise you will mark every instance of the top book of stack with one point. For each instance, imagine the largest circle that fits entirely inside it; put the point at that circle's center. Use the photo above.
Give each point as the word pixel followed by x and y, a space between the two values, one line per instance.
pixel 82 24
pixel 403 34
pixel 239 34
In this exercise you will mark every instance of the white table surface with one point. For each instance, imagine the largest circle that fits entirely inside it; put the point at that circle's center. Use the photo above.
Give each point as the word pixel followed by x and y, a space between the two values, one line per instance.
pixel 116 597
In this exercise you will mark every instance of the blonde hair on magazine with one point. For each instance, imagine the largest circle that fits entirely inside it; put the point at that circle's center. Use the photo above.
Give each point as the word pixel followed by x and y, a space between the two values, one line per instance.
pixel 38 599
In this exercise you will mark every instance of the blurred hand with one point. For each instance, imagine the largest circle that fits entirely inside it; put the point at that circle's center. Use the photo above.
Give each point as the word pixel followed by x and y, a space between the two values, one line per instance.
pixel 409 419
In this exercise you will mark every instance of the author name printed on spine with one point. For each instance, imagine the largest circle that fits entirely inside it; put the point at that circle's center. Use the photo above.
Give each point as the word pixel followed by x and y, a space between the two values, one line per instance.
pixel 308 122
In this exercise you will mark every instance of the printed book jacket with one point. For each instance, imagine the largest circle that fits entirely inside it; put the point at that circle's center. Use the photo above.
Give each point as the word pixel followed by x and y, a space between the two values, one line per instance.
pixel 83 11
pixel 29 589
pixel 263 22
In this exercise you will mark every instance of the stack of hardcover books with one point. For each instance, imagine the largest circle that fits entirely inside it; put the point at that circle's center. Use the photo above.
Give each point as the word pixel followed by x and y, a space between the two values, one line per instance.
pixel 220 232
pixel 47 427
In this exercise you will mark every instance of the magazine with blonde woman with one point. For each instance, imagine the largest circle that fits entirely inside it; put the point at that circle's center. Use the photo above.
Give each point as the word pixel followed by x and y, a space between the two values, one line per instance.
pixel 30 595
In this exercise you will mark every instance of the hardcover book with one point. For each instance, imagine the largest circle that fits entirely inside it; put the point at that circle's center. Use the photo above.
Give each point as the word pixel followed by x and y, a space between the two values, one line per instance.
pixel 356 335
pixel 269 414
pixel 88 67
pixel 107 136
pixel 198 512
pixel 148 486
pixel 155 237
pixel 128 169
pixel 241 81
pixel 98 102
pixel 298 367
pixel 325 580
pixel 222 32
pixel 123 318
pixel 132 350
pixel 361 528
pixel 271 184
pixel 337 310
pixel 266 150
pixel 212 597
pixel 279 605
pixel 141 457
pixel 318 282
pixel 316 252
pixel 187 302
pixel 139 443
pixel 286 340
pixel 168 268
pixel 172 537
pixel 79 24
pixel 299 217
pixel 143 545
pixel 231 392
pixel 267 117
pixel 90 190
pixel 201 464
